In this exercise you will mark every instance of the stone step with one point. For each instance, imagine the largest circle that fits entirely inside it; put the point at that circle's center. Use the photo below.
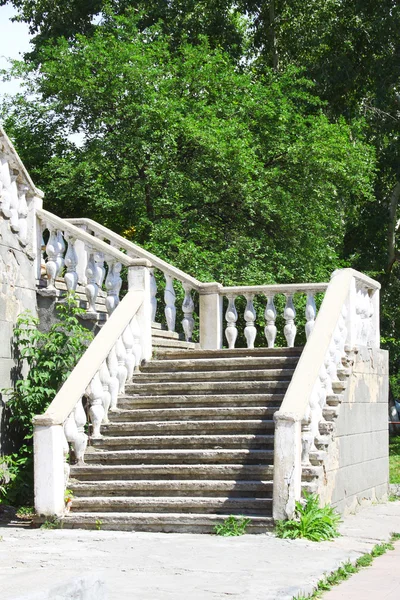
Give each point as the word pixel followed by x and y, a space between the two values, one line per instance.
pixel 192 487
pixel 199 376
pixel 218 413
pixel 158 522
pixel 144 504
pixel 237 471
pixel 198 400
pixel 183 442
pixel 215 364
pixel 226 353
pixel 188 427
pixel 162 344
pixel 207 387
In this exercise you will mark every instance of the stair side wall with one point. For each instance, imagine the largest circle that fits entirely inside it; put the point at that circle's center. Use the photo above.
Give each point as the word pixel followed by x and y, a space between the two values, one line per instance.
pixel 17 293
pixel 356 471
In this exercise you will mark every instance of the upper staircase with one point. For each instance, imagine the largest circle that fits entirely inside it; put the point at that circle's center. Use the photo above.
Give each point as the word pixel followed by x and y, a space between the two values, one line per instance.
pixel 191 443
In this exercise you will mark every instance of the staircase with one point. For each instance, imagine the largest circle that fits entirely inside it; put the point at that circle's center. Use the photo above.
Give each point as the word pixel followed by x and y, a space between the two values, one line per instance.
pixel 191 443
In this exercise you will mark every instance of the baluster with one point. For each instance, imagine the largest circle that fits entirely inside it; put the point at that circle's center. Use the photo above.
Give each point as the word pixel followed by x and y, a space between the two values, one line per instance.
pixel 105 378
pixel 22 215
pixel 113 285
pixel 137 347
pixel 60 245
pixel 270 318
pixel 250 316
pixel 91 289
pixel 315 413
pixel 112 364
pixel 80 420
pixel 289 314
pixel 188 308
pixel 330 362
pixel 96 410
pixel 130 359
pixel 70 260
pixel 122 370
pixel 14 202
pixel 65 457
pixel 100 268
pixel 307 438
pixel 311 311
pixel 51 263
pixel 153 295
pixel 231 318
pixel 169 299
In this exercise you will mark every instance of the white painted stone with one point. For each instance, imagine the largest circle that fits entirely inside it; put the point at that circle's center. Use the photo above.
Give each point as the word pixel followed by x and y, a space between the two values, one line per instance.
pixel 48 441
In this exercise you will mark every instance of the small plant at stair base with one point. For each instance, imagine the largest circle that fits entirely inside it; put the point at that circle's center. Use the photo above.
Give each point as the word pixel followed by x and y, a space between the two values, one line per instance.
pixel 50 357
pixel 68 497
pixel 232 526
pixel 98 523
pixel 51 524
pixel 311 521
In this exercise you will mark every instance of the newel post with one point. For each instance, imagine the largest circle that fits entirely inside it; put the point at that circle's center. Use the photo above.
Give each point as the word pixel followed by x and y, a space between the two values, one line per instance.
pixel 211 325
pixel 287 465
pixel 49 460
pixel 139 279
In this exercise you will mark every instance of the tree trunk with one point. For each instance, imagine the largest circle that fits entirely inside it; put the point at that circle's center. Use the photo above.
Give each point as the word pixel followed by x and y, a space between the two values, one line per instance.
pixel 392 255
pixel 274 38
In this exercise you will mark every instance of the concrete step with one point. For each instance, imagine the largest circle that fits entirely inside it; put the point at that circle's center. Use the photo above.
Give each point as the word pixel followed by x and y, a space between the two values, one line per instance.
pixel 219 364
pixel 145 504
pixel 158 522
pixel 183 442
pixel 165 334
pixel 207 387
pixel 226 353
pixel 191 487
pixel 188 427
pixel 237 471
pixel 199 376
pixel 198 400
pixel 203 413
pixel 162 344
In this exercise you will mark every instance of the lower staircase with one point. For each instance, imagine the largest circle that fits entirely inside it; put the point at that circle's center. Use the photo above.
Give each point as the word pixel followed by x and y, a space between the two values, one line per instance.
pixel 190 444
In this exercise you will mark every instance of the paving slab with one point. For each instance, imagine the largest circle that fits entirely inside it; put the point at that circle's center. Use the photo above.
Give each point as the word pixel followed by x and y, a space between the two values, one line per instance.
pixel 153 566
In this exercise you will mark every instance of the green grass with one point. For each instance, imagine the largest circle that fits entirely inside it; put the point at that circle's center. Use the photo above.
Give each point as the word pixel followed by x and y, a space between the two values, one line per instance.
pixel 310 521
pixel 348 569
pixel 394 459
pixel 232 526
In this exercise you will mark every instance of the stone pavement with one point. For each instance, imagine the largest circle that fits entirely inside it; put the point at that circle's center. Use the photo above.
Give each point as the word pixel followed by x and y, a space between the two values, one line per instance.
pixel 152 566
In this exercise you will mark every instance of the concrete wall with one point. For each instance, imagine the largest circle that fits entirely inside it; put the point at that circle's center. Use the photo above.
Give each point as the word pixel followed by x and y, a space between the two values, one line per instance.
pixel 357 470
pixel 17 293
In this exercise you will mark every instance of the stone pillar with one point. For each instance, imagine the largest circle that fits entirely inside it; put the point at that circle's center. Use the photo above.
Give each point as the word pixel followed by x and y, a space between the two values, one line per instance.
pixel 139 279
pixel 210 316
pixel 48 443
pixel 287 465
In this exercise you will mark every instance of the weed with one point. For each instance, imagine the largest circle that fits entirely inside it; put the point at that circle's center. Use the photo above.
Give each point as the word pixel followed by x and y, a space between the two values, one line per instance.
pixel 311 521
pixel 232 526
pixel 51 524
pixel 98 524
pixel 25 512
pixel 393 498
pixel 395 537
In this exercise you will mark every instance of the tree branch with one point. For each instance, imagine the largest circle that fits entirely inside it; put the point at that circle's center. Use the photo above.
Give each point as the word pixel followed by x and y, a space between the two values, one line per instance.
pixel 392 255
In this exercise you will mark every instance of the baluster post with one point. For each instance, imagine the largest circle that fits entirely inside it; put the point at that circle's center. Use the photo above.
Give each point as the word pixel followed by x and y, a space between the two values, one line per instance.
pixel 139 279
pixel 211 316
pixel 70 260
pixel 96 410
pixel 311 312
pixel 289 314
pixel 188 308
pixel 91 289
pixel 113 285
pixel 231 318
pixel 250 316
pixel 153 295
pixel 270 318
pixel 169 299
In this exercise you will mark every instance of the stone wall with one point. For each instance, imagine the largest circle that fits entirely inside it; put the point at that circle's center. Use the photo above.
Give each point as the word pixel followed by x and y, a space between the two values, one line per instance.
pixel 357 470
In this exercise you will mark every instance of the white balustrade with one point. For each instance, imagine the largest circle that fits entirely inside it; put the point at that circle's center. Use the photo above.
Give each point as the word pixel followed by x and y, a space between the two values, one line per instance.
pixel 113 285
pixel 153 295
pixel 270 318
pixel 231 316
pixel 169 298
pixel 250 316
pixel 289 315
pixel 113 385
pixel 92 288
pixel 96 411
pixel 311 313
pixel 188 308
pixel 122 369
pixel 70 261
pixel 14 203
pixel 5 179
pixel 23 215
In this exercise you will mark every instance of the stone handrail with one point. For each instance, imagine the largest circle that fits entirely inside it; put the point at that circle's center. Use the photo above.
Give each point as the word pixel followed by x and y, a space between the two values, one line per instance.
pixel 348 317
pixel 100 376
pixel 101 232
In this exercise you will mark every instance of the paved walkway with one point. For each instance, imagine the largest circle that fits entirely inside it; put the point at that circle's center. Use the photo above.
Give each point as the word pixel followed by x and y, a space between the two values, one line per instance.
pixel 149 566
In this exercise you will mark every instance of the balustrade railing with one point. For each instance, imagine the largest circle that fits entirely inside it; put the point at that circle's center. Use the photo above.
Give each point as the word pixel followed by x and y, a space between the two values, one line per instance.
pixel 99 378
pixel 348 318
